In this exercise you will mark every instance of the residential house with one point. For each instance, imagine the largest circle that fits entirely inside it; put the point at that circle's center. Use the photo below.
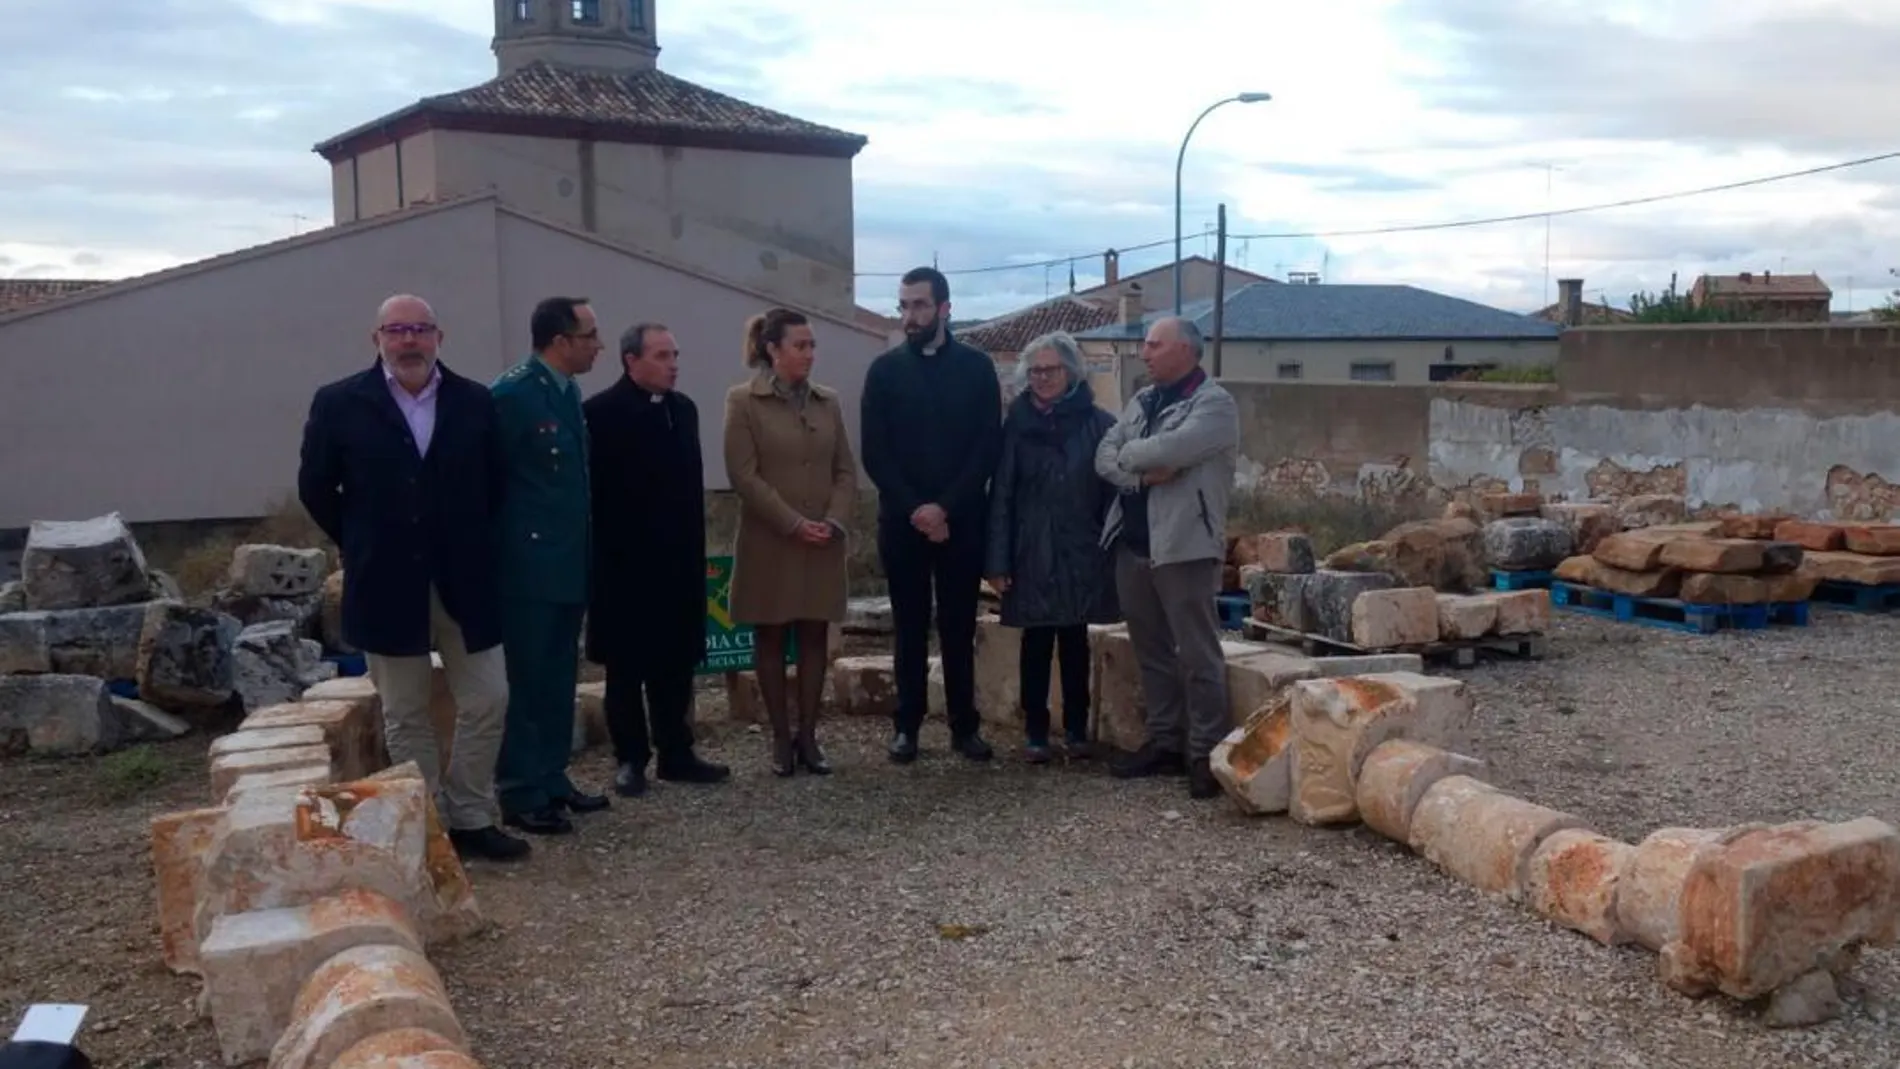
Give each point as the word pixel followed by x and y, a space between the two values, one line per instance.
pixel 1341 333
pixel 1156 285
pixel 1571 310
pixel 1766 297
pixel 194 382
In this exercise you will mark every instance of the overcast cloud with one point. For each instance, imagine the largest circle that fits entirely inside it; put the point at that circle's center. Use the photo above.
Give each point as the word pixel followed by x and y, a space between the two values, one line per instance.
pixel 1023 130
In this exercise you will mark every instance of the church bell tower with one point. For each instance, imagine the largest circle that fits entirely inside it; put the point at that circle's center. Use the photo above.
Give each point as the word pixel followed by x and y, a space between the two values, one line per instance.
pixel 610 36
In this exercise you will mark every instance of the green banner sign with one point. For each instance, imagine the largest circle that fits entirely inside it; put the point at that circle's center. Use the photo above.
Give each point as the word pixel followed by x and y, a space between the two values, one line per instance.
pixel 729 645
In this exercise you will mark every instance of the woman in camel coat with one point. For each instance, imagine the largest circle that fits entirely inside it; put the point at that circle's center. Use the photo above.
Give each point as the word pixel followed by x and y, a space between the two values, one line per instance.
pixel 790 461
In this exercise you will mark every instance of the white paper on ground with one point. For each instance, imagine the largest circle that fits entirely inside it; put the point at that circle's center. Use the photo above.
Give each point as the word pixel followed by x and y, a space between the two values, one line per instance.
pixel 50 1023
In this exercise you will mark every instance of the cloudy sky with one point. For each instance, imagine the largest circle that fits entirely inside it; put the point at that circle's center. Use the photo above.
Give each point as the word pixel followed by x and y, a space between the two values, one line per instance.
pixel 1014 131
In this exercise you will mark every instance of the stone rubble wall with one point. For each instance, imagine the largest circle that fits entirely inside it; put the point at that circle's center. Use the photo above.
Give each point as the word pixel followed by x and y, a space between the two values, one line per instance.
pixel 1780 913
pixel 307 897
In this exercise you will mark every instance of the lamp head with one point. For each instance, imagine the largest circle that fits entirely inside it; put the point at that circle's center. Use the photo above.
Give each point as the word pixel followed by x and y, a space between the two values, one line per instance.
pixel 1254 98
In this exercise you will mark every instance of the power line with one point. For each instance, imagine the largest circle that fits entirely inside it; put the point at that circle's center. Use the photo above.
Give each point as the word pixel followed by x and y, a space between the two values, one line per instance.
pixel 1414 228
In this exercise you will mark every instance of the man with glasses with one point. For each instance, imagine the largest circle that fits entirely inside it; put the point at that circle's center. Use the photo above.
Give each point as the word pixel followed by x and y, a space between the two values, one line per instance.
pixel 545 542
pixel 402 468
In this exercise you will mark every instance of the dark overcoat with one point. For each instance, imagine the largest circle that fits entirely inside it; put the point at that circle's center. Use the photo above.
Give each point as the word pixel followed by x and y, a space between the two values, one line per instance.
pixel 1047 506
pixel 647 603
pixel 401 520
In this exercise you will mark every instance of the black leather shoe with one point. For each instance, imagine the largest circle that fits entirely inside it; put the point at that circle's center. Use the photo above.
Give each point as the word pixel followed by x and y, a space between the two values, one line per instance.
pixel 1201 781
pixel 549 821
pixel 582 802
pixel 489 844
pixel 1150 760
pixel 630 781
pixel 903 748
pixel 973 748
pixel 691 769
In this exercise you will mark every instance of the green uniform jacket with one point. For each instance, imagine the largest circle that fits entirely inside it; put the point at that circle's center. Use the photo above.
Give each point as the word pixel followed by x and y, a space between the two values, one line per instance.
pixel 546 536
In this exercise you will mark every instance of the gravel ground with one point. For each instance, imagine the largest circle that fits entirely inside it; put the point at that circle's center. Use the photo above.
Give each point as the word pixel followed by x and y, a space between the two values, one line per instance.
pixel 793 923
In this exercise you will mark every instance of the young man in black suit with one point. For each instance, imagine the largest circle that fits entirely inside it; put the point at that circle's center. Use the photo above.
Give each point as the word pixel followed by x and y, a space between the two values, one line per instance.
pixel 402 468
pixel 932 427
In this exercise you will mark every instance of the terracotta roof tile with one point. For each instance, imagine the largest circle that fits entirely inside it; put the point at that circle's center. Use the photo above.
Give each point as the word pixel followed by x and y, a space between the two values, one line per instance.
pixel 17 293
pixel 646 99
pixel 1766 284
pixel 1010 332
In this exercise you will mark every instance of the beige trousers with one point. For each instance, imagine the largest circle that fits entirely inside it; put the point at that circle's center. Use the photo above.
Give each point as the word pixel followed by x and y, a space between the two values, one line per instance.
pixel 478 683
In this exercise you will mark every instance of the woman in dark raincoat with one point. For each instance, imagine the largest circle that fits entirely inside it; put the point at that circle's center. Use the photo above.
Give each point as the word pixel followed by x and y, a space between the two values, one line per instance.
pixel 1044 547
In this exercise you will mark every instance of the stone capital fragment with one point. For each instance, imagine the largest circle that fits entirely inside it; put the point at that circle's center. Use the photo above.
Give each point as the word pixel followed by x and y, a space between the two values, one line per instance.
pixel 1764 906
pixel 1253 762
pixel 1338 722
pixel 256 963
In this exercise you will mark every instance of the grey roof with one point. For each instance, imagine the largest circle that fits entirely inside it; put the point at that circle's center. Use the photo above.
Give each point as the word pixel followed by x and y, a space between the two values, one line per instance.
pixel 1343 312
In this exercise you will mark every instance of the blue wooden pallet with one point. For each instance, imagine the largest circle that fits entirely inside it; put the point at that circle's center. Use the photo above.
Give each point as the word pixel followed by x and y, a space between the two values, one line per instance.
pixel 1233 609
pixel 1861 597
pixel 1535 580
pixel 1676 615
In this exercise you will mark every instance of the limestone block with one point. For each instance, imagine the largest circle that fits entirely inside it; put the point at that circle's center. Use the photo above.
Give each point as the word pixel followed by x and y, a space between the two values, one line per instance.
pixel 186 656
pixel 1850 567
pixel 865 686
pixel 1522 612
pixel 1508 503
pixel 1462 617
pixel 1336 723
pixel 277 571
pixel 226 768
pixel 281 848
pixel 1759 525
pixel 1709 588
pixel 935 695
pixel 868 616
pixel 1445 554
pixel 358 994
pixel 255 964
pixel 101 642
pixel 1734 556
pixel 352 726
pixel 1389 619
pixel 25 645
pixel 1287 552
pixel 59 714
pixel 1573 879
pixel 1650 894
pixel 1763 907
pixel 80 564
pixel 181 843
pixel 1651 510
pixel 1526 543
pixel 1589 522
pixel 405 1048
pixel 1824 537
pixel 1781 589
pixel 745 702
pixel 1242 551
pixel 1329 597
pixel 1396 774
pixel 590 716
pixel 1121 716
pixel 1482 836
pixel 1368 664
pixel 1580 569
pixel 12 597
pixel 330 614
pixel 1875 539
pixel 998 674
pixel 1257 680
pixel 1253 763
pixel 1279 598
pixel 301 776
pixel 267 738
pixel 271 664
pixel 145 722
pixel 1631 552
pixel 1661 583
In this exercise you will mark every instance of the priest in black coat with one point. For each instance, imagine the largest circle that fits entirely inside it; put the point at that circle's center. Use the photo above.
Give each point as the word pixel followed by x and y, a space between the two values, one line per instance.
pixel 646 614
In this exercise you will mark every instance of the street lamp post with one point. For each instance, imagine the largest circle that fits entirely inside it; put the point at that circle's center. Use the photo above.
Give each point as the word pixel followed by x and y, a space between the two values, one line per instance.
pixel 1179 159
